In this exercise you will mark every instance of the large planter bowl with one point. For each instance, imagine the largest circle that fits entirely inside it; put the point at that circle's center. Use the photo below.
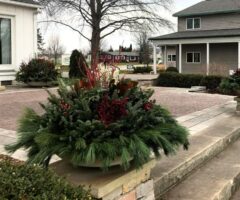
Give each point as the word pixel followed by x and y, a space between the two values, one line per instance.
pixel 41 84
pixel 97 164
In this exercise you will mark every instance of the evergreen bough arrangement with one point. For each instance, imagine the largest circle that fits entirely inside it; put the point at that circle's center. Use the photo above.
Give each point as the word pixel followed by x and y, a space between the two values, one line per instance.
pixel 88 123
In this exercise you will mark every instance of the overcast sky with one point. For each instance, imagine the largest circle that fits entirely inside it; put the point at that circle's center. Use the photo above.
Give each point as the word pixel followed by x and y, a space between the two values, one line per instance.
pixel 71 40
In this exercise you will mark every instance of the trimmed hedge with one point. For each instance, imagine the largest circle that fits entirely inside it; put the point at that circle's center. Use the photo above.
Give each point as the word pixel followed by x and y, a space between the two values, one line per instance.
pixel 172 69
pixel 169 79
pixel 142 70
pixel 25 182
pixel 231 85
pixel 211 82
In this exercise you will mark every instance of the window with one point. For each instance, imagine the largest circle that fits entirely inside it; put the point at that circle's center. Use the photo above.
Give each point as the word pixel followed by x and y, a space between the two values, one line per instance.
pixel 193 23
pixel 197 23
pixel 5 41
pixel 171 57
pixel 194 57
pixel 190 23
pixel 132 58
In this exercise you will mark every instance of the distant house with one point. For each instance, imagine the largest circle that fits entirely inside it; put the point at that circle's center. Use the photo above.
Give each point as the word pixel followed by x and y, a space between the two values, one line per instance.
pixel 18 35
pixel 118 57
pixel 207 40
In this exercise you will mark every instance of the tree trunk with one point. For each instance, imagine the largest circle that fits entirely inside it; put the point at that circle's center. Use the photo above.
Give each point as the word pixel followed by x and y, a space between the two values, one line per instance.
pixel 96 9
pixel 95 45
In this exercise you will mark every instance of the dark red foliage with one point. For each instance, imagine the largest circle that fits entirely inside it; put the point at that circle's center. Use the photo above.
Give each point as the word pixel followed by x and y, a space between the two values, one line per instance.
pixel 110 111
pixel 125 85
pixel 148 106
pixel 64 107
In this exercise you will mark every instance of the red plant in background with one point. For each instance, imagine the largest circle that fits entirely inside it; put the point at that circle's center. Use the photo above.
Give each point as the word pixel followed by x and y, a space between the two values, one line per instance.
pixel 110 111
pixel 94 77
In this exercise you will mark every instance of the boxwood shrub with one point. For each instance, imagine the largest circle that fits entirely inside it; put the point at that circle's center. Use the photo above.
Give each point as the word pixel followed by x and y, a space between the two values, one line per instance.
pixel 142 70
pixel 172 69
pixel 25 182
pixel 169 79
pixel 231 85
pixel 211 82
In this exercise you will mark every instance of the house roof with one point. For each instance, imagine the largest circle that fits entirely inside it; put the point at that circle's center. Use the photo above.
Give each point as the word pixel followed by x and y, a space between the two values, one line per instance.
pixel 209 7
pixel 199 34
pixel 117 53
pixel 27 1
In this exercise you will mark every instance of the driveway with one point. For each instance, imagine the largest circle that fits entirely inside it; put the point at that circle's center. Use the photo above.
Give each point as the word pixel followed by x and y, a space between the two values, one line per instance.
pixel 178 101
pixel 181 102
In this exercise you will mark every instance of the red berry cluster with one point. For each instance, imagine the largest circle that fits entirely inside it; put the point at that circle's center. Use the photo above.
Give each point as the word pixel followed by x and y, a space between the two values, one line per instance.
pixel 65 107
pixel 110 111
pixel 148 106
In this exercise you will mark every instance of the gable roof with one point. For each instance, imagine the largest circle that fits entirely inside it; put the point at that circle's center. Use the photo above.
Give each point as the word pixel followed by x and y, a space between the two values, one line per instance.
pixel 199 34
pixel 117 53
pixel 208 7
pixel 27 1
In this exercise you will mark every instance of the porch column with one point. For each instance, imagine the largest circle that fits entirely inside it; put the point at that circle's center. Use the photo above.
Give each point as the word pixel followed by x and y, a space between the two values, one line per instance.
pixel 208 58
pixel 154 59
pixel 238 55
pixel 180 58
pixel 165 57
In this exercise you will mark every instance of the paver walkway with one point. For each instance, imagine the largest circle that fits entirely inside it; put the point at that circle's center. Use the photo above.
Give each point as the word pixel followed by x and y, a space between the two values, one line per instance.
pixel 13 102
pixel 181 102
pixel 178 101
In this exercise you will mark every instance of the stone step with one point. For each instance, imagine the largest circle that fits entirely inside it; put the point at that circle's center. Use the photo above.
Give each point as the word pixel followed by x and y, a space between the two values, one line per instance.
pixel 205 145
pixel 205 115
pixel 217 180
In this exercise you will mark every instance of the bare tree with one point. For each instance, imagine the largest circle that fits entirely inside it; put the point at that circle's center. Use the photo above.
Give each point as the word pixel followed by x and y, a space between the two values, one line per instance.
pixel 55 49
pixel 143 45
pixel 104 17
pixel 40 41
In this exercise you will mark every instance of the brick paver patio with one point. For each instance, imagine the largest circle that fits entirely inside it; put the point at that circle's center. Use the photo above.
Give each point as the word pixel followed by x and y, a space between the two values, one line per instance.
pixel 179 102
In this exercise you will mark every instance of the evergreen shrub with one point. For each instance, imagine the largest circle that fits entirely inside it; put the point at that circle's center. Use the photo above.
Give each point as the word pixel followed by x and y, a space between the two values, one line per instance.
pixel 78 65
pixel 168 79
pixel 37 70
pixel 231 85
pixel 172 69
pixel 212 82
pixel 28 182
pixel 142 70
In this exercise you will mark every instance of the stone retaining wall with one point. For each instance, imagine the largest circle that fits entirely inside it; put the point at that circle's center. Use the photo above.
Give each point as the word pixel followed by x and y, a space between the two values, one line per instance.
pixel 115 184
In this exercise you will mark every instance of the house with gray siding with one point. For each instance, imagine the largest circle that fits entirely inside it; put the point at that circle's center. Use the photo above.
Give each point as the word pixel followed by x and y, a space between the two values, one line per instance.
pixel 207 40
